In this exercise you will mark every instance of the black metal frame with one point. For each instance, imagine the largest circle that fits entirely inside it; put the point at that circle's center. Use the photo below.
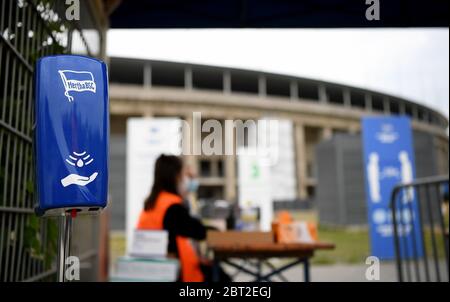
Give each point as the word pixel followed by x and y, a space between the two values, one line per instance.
pixel 410 266
pixel 258 274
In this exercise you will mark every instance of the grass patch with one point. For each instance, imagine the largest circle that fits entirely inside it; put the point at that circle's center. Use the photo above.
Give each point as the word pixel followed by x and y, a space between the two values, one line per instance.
pixel 352 246
pixel 439 240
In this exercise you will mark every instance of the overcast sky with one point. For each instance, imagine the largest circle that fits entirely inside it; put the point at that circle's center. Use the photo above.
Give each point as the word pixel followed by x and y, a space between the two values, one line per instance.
pixel 412 63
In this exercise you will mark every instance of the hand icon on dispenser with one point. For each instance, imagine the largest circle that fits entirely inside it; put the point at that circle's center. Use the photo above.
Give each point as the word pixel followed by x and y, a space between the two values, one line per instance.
pixel 79 160
pixel 75 179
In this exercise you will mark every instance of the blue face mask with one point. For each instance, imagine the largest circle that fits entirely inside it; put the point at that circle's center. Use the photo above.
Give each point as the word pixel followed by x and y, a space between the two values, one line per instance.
pixel 192 185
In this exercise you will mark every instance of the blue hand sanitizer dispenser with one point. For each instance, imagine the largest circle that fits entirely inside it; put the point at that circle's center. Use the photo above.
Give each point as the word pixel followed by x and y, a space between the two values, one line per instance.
pixel 71 136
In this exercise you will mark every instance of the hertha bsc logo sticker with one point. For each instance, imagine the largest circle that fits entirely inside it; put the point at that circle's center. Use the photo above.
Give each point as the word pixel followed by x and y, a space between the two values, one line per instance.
pixel 78 81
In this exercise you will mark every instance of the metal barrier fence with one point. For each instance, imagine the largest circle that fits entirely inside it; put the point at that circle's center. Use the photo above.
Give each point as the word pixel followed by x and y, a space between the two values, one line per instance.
pixel 431 263
pixel 29 29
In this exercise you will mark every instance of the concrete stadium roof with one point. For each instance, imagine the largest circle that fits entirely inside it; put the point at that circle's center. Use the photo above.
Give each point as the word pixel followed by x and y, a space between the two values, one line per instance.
pixel 224 79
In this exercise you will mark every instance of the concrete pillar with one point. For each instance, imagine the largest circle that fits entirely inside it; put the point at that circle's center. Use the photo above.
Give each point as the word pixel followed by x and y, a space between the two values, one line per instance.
pixel 230 164
pixel 187 145
pixel 147 75
pixel 196 136
pixel 426 116
pixel 354 129
pixel 300 154
pixel 188 78
pixel 415 112
pixel 262 89
pixel 327 133
pixel 293 90
pixel 368 101
pixel 190 160
pixel 214 167
pixel 323 98
pixel 401 107
pixel 386 105
pixel 226 82
pixel 147 112
pixel 347 97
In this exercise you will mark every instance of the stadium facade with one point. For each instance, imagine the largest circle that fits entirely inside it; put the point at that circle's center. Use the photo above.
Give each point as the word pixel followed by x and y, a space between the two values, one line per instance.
pixel 318 111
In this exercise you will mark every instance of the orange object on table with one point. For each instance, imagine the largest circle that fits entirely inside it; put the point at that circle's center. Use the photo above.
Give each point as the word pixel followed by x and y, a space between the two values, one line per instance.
pixel 286 230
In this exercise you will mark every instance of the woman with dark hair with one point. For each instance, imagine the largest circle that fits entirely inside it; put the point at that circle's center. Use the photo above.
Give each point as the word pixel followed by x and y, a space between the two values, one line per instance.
pixel 164 210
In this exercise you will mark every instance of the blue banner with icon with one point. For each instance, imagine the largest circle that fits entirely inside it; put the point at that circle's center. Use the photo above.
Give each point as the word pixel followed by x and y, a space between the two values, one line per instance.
pixel 388 161
pixel 71 137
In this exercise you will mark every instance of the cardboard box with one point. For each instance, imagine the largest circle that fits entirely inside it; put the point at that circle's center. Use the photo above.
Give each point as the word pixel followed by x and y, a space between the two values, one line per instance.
pixel 236 237
pixel 296 232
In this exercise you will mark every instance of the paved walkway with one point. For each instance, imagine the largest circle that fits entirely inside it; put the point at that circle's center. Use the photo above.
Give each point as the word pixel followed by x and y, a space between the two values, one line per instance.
pixel 346 272
pixel 329 273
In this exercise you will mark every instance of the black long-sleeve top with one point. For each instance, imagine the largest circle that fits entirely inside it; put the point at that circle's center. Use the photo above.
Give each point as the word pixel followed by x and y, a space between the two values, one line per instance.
pixel 178 222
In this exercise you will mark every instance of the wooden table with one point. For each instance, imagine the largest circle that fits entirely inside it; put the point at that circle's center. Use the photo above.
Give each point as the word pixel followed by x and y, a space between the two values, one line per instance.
pixel 302 252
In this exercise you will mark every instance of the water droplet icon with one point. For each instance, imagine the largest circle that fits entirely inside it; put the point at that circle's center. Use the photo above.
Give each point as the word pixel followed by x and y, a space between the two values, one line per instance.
pixel 78 160
pixel 80 163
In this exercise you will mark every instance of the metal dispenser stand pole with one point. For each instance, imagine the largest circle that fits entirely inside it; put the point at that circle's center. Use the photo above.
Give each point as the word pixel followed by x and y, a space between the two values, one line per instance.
pixel 65 232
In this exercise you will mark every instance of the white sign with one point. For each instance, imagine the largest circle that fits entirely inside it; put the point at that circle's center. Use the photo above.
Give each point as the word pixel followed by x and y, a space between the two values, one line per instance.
pixel 254 185
pixel 282 171
pixel 149 244
pixel 263 180
pixel 147 138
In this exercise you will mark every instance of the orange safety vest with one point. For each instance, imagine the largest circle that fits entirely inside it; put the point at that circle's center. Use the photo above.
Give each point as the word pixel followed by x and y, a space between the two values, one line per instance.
pixel 153 220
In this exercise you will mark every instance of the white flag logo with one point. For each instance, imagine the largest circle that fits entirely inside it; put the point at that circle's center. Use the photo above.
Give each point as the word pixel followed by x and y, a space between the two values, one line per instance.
pixel 77 81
